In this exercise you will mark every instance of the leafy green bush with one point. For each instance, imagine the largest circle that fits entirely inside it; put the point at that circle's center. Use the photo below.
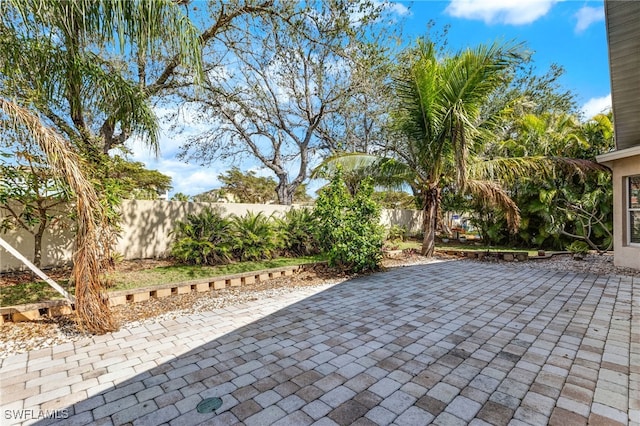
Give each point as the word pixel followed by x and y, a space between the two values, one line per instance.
pixel 396 233
pixel 348 227
pixel 578 247
pixel 203 239
pixel 255 237
pixel 297 230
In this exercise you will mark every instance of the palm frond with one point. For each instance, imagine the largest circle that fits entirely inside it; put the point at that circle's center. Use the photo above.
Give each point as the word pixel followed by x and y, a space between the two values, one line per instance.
pixel 440 100
pixel 146 24
pixel 386 172
pixel 123 102
pixel 91 304
pixel 492 194
pixel 467 80
pixel 347 161
pixel 511 169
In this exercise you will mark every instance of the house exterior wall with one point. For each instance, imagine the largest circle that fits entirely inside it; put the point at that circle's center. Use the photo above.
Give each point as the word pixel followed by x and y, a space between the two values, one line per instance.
pixel 627 255
pixel 623 39
pixel 146 230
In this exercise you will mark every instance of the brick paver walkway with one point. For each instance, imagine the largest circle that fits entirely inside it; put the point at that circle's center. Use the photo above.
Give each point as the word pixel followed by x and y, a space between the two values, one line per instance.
pixel 446 343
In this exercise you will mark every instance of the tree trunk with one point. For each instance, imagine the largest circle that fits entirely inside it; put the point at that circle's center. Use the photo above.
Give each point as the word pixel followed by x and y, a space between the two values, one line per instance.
pixel 429 221
pixel 37 244
pixel 39 233
pixel 284 191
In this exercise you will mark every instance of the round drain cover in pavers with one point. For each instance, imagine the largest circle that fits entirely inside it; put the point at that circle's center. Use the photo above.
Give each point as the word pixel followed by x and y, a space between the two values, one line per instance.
pixel 209 405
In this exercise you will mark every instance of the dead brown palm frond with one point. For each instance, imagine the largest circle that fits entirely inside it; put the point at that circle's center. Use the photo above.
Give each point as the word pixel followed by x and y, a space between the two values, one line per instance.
pixel 512 169
pixel 91 303
pixel 577 166
pixel 492 194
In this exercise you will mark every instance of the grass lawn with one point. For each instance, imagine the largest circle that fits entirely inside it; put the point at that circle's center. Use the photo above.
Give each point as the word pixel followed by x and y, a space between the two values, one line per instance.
pixel 29 292
pixel 455 245
pixel 178 273
pixel 39 291
pixel 483 248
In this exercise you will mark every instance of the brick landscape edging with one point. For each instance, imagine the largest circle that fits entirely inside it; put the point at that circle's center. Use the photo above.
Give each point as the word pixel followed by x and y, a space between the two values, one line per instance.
pixel 508 256
pixel 53 308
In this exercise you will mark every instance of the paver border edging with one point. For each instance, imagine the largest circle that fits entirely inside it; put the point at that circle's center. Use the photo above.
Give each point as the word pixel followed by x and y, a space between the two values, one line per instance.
pixel 33 311
pixel 508 256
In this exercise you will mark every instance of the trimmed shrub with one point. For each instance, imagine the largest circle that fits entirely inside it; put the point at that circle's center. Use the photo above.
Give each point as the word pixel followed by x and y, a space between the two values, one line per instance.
pixel 348 227
pixel 396 233
pixel 578 247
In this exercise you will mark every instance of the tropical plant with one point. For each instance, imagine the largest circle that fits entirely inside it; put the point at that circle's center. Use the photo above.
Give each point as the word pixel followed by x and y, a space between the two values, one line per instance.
pixel 69 88
pixel 588 216
pixel 441 118
pixel 396 233
pixel 553 206
pixel 255 237
pixel 74 57
pixel 348 227
pixel 203 238
pixel 437 117
pixel 179 196
pixel 92 241
pixel 578 249
pixel 298 232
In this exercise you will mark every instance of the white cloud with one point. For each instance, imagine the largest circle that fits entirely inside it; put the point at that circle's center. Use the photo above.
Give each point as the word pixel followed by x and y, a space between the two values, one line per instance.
pixel 190 179
pixel 511 12
pixel 596 106
pixel 588 15
pixel 193 181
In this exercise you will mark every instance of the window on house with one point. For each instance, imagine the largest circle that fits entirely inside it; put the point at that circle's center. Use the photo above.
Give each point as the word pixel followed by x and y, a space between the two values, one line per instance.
pixel 633 208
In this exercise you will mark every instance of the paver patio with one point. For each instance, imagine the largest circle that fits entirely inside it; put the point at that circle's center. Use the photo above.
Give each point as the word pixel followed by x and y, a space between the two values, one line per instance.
pixel 445 343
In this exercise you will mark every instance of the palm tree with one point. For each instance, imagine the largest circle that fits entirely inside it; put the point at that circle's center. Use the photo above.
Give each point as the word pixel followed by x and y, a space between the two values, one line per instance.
pixel 92 307
pixel 439 122
pixel 437 116
pixel 553 205
pixel 84 64
pixel 65 89
pixel 440 101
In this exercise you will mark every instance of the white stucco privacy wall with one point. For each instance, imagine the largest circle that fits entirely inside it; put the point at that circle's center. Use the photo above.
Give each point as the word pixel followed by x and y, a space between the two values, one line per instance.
pixel 146 229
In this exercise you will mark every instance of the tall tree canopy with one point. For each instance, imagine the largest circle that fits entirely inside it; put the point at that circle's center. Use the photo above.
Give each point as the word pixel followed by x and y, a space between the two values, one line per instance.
pixel 271 90
pixel 82 65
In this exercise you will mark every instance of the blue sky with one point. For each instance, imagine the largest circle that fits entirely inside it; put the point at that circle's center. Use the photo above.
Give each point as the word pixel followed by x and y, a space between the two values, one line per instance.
pixel 569 33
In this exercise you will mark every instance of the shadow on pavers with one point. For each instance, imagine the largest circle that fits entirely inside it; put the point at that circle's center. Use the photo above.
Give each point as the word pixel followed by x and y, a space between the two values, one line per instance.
pixel 455 341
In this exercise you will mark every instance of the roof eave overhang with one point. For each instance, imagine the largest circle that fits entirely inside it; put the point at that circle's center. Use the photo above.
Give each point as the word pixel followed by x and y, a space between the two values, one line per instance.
pixel 618 155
